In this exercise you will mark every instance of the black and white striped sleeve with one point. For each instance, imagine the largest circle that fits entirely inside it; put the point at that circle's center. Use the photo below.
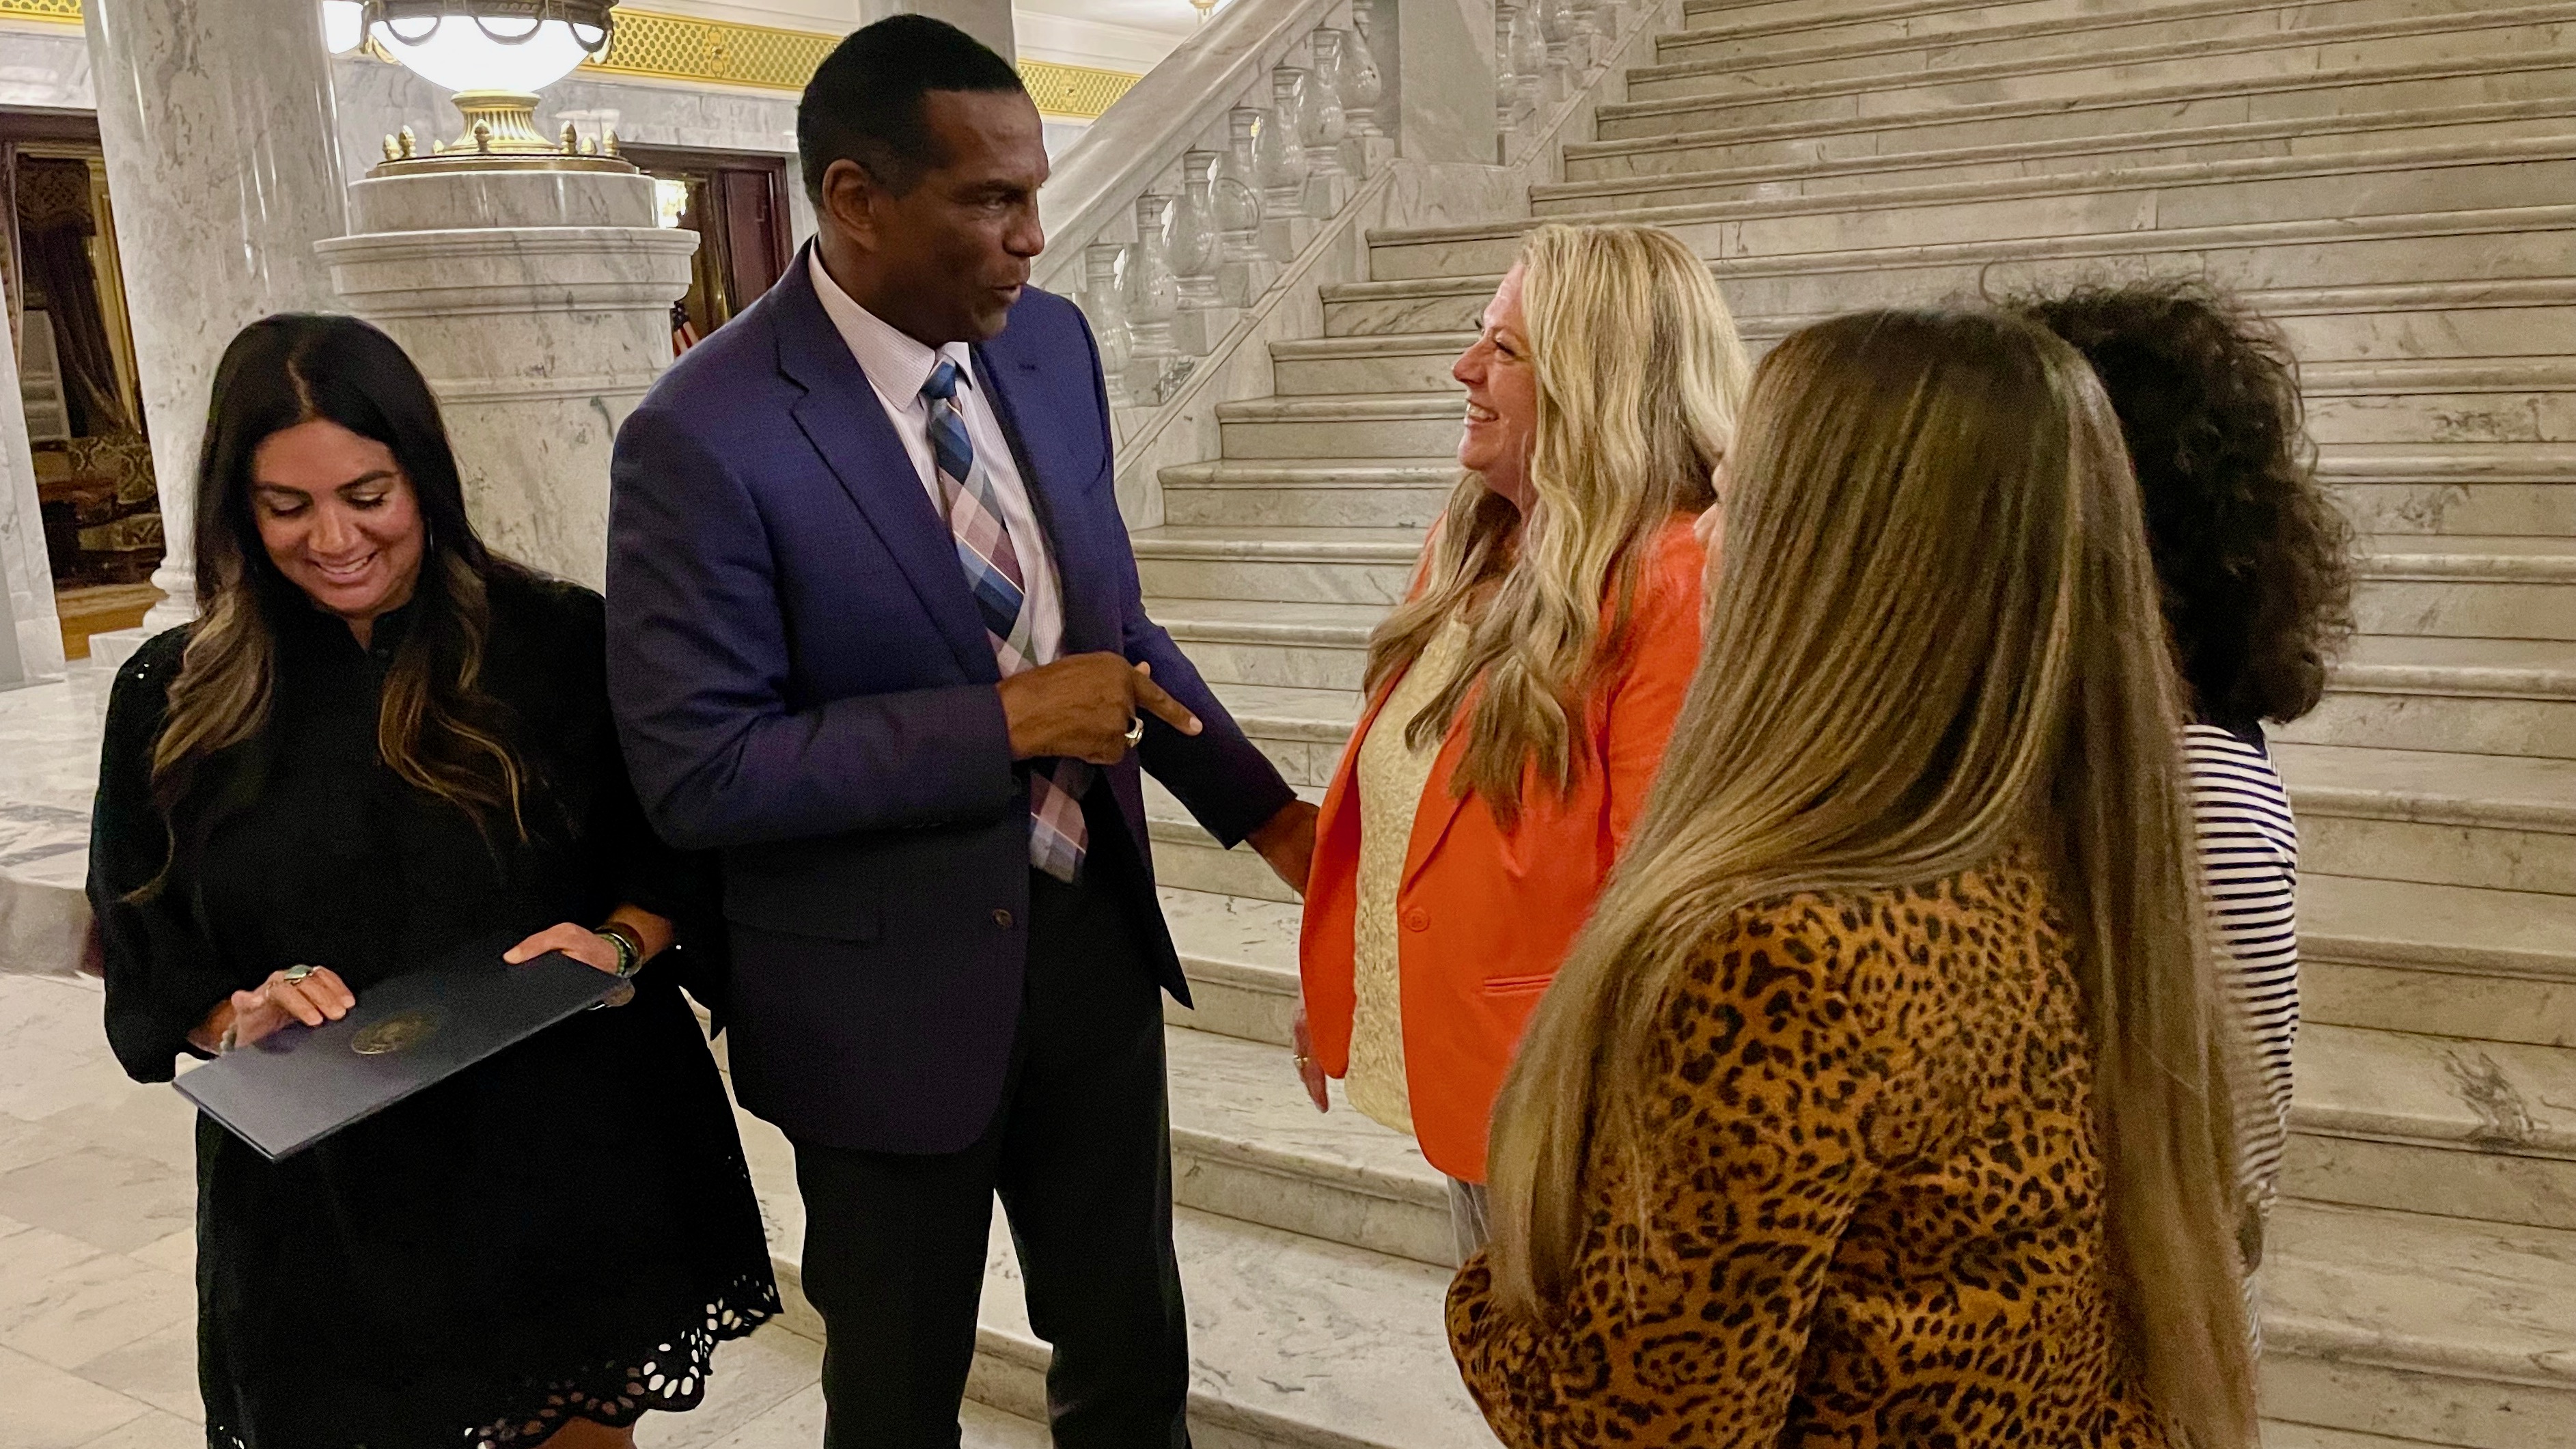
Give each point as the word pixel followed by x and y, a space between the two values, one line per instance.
pixel 2249 857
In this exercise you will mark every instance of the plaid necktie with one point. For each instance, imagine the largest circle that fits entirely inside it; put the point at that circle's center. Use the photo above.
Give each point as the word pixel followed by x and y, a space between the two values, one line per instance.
pixel 1057 835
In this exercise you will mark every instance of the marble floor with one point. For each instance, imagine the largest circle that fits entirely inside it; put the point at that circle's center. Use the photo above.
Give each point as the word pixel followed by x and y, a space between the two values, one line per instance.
pixel 49 739
pixel 97 1300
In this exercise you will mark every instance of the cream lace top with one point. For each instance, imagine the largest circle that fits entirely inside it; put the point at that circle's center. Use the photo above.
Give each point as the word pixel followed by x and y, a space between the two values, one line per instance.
pixel 1392 774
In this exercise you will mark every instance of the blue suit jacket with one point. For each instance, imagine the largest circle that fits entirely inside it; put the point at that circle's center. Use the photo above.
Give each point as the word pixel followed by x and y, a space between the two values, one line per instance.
pixel 803 683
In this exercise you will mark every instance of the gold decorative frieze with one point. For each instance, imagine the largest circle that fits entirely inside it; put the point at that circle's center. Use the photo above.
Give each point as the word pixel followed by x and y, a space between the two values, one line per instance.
pixel 1073 92
pixel 63 12
pixel 682 48
pixel 720 52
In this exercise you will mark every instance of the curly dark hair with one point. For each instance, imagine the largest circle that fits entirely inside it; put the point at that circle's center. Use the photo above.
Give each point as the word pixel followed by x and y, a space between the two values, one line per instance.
pixel 2255 560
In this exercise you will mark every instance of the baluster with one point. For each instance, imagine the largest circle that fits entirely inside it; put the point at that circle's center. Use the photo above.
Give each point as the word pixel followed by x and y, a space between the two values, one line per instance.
pixel 1363 80
pixel 1205 318
pixel 1507 88
pixel 1328 182
pixel 1529 63
pixel 1556 33
pixel 1153 304
pixel 1244 267
pixel 1595 27
pixel 1285 227
pixel 1107 309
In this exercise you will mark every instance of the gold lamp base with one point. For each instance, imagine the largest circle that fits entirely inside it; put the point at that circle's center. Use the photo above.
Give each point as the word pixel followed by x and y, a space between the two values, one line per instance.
pixel 501 134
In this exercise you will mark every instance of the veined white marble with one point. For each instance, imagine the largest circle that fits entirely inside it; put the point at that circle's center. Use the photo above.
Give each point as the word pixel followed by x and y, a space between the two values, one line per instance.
pixel 539 308
pixel 33 648
pixel 217 120
pixel 45 65
pixel 49 742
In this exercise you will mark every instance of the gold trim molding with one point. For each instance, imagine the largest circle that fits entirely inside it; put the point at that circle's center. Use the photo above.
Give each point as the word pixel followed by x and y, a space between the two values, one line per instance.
pixel 1073 92
pixel 683 48
pixel 655 46
pixel 61 12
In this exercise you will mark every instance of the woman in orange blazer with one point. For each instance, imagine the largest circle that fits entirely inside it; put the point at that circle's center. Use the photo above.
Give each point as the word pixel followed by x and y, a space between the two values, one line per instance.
pixel 1520 699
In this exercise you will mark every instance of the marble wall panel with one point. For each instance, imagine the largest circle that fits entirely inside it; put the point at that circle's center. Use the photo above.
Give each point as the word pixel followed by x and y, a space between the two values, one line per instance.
pixel 45 66
pixel 31 640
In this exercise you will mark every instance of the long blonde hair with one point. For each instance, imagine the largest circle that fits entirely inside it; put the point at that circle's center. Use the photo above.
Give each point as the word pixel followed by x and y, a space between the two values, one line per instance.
pixel 1639 373
pixel 1936 635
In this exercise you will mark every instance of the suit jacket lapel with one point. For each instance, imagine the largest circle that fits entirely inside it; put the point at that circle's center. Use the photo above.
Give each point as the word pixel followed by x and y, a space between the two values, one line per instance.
pixel 841 416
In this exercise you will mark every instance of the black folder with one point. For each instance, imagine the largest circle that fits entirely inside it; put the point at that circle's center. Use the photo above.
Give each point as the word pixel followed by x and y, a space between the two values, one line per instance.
pixel 299 1084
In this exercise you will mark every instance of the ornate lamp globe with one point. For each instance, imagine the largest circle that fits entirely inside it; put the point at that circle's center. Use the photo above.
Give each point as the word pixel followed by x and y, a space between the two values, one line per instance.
pixel 495 55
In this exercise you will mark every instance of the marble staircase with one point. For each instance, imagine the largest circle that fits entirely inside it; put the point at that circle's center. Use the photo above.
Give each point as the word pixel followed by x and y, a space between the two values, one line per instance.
pixel 2395 182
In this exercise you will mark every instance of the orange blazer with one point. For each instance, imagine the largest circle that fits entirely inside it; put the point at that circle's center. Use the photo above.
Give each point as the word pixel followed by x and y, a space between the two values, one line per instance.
pixel 1487 914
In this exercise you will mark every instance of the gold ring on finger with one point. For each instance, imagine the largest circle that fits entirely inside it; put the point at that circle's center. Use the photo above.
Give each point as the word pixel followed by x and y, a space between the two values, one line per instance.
pixel 1136 731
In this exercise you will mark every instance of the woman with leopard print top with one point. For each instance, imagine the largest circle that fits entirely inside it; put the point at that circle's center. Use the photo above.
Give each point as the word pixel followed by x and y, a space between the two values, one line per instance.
pixel 1886 1100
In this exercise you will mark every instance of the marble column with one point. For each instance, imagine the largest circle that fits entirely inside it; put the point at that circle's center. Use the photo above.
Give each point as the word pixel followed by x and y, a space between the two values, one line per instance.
pixel 223 159
pixel 31 635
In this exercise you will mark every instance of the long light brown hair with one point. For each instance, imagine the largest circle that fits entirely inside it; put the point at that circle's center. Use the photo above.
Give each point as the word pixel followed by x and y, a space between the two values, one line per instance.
pixel 437 729
pixel 1935 637
pixel 1639 372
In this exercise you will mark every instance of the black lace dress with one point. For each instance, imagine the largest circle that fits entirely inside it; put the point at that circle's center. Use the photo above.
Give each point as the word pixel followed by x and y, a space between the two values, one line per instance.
pixel 565 1229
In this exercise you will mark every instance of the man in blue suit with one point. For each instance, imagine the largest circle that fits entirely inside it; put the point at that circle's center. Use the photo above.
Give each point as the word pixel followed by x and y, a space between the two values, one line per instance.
pixel 876 636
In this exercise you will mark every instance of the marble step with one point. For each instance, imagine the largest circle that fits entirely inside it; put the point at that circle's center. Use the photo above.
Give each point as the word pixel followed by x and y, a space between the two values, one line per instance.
pixel 1402 425
pixel 1247 1143
pixel 2430 262
pixel 2480 350
pixel 1301 730
pixel 2438 960
pixel 2452 587
pixel 1187 858
pixel 1305 646
pixel 2034 35
pixel 1341 493
pixel 2473 1129
pixel 1295 1343
pixel 2470 399
pixel 2417 1327
pixel 1796 160
pixel 2384 1117
pixel 2495 821
pixel 2065 67
pixel 2476 696
pixel 2169 206
pixel 1240 954
pixel 2521 490
pixel 2278 1435
pixel 1834 126
pixel 1768 33
pixel 1732 173
pixel 1307 565
pixel 2464 586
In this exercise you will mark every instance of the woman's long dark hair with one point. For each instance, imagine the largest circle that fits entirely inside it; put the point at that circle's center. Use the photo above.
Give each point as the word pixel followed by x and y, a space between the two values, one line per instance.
pixel 437 729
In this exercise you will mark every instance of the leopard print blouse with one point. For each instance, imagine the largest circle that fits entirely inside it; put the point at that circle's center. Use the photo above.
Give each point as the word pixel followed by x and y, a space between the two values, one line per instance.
pixel 1875 1214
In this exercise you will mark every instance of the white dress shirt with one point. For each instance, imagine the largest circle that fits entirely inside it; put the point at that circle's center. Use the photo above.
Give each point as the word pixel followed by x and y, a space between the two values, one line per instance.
pixel 896 366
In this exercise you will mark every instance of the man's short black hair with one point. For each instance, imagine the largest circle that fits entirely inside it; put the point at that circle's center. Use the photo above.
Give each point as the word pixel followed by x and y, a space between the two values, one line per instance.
pixel 864 102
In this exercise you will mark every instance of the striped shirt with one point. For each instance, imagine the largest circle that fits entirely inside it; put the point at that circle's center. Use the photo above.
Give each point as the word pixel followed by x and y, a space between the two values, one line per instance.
pixel 2249 858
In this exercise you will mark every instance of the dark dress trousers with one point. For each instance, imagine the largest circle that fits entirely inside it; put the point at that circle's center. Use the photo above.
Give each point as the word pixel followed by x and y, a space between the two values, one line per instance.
pixel 803 684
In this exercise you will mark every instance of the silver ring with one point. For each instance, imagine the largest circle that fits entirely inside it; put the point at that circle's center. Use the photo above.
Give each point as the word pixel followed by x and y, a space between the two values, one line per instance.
pixel 1136 732
pixel 298 972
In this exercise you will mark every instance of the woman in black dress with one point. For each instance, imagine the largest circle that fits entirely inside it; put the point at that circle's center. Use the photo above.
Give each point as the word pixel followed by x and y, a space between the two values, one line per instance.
pixel 379 743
